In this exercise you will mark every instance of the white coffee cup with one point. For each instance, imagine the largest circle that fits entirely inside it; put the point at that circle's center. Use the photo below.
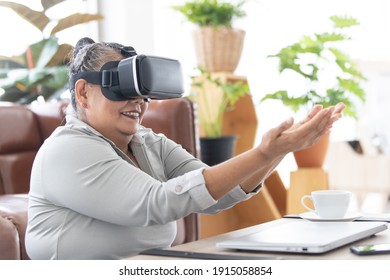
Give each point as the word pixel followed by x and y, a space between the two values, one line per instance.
pixel 328 203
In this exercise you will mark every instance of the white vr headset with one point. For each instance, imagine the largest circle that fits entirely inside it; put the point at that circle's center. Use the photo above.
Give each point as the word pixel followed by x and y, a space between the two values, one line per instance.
pixel 137 76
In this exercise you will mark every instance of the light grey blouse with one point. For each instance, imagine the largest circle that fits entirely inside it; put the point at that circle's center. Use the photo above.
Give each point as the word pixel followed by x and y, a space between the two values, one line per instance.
pixel 89 201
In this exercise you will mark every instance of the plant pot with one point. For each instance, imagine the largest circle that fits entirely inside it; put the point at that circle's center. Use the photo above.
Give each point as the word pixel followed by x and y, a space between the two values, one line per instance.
pixel 217 150
pixel 218 49
pixel 315 155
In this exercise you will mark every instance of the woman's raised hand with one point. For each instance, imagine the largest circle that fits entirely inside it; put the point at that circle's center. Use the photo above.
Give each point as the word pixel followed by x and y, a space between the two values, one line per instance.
pixel 290 137
pixel 250 168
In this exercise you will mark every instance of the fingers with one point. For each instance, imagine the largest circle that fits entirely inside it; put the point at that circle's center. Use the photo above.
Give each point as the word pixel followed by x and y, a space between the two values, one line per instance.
pixel 289 136
pixel 277 131
pixel 318 125
pixel 315 110
pixel 319 119
pixel 312 113
pixel 325 122
pixel 339 108
pixel 337 112
pixel 335 117
pixel 284 126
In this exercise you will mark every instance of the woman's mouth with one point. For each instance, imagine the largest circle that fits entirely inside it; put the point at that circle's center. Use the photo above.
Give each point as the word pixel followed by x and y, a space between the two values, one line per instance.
pixel 131 114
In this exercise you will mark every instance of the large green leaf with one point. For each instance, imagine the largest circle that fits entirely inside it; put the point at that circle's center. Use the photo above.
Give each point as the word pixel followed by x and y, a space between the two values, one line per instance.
pixel 42 54
pixel 49 50
pixel 73 20
pixel 29 79
pixel 36 18
pixel 51 77
pixel 15 77
pixel 58 77
pixel 43 51
pixel 42 67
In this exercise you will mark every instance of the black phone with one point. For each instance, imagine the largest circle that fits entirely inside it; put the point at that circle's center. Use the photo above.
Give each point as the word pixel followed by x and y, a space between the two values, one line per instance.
pixel 371 249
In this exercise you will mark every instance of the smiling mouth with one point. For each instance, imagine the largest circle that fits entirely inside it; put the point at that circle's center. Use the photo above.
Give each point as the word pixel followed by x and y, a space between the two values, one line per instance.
pixel 132 114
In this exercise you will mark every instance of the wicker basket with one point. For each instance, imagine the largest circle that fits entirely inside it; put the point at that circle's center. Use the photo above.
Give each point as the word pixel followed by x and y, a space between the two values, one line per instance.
pixel 218 49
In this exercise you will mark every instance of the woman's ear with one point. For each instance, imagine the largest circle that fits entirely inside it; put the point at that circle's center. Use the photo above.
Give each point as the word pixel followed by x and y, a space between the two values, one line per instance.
pixel 81 92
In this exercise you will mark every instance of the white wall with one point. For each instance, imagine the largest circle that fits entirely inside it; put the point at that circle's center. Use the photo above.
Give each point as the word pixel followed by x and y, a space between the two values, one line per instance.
pixel 128 22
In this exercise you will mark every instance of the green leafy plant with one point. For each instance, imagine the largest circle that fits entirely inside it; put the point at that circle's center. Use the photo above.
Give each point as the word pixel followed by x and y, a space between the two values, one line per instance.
pixel 211 12
pixel 315 59
pixel 41 69
pixel 231 92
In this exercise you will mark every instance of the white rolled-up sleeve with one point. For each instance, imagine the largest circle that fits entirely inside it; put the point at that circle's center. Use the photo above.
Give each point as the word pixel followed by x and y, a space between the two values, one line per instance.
pixel 193 183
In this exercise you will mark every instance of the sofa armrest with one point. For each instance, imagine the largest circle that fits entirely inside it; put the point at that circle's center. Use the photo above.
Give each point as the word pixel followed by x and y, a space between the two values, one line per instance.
pixel 9 240
pixel 13 223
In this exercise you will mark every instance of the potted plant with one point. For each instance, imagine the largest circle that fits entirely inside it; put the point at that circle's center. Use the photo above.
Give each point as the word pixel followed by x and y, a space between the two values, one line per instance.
pixel 214 98
pixel 330 74
pixel 218 45
pixel 41 69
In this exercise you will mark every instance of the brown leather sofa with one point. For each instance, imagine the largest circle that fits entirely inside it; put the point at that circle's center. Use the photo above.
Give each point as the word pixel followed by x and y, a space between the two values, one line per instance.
pixel 24 129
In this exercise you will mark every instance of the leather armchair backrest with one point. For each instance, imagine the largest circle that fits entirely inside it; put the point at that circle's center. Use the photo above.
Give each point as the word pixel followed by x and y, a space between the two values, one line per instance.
pixel 19 141
pixel 176 119
pixel 49 116
pixel 22 132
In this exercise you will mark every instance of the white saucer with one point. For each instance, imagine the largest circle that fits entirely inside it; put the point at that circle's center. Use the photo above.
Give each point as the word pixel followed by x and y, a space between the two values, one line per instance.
pixel 313 217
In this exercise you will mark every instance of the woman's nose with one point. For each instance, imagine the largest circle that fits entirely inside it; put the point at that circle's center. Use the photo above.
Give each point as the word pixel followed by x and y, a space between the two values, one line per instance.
pixel 141 100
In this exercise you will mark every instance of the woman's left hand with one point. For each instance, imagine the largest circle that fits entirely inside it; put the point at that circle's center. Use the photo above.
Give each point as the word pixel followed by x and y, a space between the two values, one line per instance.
pixel 336 115
pixel 318 126
pixel 289 137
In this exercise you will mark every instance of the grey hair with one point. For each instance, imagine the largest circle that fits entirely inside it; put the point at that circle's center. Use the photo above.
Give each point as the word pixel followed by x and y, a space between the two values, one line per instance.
pixel 90 56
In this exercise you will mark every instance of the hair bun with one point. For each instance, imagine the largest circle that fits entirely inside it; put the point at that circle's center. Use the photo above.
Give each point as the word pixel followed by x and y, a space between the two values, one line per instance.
pixel 81 44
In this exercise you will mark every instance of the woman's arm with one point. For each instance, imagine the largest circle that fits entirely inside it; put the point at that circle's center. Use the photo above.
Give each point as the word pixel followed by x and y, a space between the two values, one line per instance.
pixel 252 167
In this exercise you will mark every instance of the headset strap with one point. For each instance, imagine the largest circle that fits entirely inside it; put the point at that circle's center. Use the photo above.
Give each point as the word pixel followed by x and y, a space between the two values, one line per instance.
pixel 105 78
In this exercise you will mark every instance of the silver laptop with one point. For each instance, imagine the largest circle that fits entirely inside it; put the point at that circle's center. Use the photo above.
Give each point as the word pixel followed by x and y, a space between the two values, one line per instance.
pixel 304 236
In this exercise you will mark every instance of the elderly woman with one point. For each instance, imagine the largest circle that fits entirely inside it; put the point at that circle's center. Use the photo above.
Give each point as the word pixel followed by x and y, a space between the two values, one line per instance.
pixel 104 187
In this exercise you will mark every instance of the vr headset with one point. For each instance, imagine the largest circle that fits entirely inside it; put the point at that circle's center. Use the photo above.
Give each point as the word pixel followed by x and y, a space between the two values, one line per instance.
pixel 137 76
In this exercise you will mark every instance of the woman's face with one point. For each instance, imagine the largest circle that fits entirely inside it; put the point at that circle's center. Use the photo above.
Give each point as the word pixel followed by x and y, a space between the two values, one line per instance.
pixel 116 120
